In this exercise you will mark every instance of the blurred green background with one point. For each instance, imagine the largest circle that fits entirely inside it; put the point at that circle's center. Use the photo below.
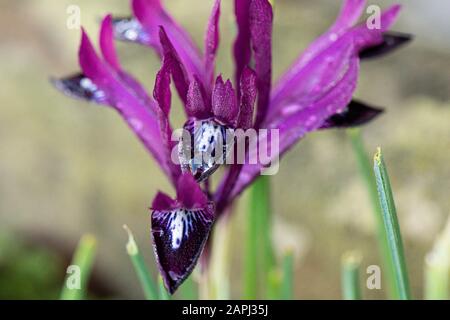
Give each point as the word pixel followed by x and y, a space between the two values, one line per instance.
pixel 67 167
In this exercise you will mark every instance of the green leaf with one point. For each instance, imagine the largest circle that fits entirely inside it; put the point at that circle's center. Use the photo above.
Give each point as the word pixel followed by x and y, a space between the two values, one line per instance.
pixel 350 265
pixel 83 260
pixel 287 288
pixel 366 171
pixel 392 226
pixel 258 241
pixel 145 279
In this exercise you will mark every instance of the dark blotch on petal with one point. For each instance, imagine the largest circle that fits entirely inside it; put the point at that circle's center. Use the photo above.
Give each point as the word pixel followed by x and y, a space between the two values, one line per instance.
pixel 357 113
pixel 179 237
pixel 391 42
pixel 129 29
pixel 80 87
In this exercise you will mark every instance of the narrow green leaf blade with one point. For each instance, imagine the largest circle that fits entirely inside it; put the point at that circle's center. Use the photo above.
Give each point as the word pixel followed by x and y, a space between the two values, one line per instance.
pixel 82 266
pixel 367 174
pixel 392 226
pixel 350 264
pixel 287 288
pixel 145 279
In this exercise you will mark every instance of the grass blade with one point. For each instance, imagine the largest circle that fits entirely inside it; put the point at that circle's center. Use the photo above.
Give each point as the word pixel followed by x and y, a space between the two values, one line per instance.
pixel 437 268
pixel 392 226
pixel 145 279
pixel 287 288
pixel 188 290
pixel 351 289
pixel 75 284
pixel 367 174
pixel 258 239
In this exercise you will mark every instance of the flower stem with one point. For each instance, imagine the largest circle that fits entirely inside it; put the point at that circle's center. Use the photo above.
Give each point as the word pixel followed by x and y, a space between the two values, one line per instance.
pixel 83 260
pixel 368 177
pixel 392 226
pixel 351 289
pixel 258 235
pixel 287 288
pixel 145 279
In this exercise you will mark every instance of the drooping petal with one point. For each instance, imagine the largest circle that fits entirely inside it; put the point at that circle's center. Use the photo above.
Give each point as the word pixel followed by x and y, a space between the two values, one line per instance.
pixel 212 43
pixel 224 102
pixel 140 117
pixel 261 17
pixel 180 230
pixel 391 42
pixel 356 114
pixel 241 48
pixel 297 125
pixel 151 15
pixel 248 98
pixel 176 67
pixel 298 86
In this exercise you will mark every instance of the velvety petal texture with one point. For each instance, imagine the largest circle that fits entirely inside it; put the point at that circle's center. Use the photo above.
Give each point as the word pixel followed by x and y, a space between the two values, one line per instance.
pixel 180 229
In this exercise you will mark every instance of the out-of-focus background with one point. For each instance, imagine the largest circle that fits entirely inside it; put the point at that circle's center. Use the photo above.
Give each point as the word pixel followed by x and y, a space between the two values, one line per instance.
pixel 68 168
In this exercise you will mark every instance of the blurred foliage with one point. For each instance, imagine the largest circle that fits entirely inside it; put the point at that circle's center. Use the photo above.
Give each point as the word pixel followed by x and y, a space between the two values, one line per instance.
pixel 28 272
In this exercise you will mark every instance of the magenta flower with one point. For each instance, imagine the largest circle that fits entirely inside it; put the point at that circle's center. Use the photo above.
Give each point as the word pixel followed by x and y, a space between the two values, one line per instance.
pixel 315 93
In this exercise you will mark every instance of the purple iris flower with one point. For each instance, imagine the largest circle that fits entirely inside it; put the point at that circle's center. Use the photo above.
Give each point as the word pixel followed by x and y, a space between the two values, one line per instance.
pixel 315 93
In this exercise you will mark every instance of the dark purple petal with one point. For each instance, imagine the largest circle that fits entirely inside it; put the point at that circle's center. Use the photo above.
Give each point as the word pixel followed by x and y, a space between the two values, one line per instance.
pixel 179 236
pixel 79 86
pixel 197 105
pixel 175 65
pixel 189 193
pixel 163 202
pixel 151 16
pixel 224 102
pixel 306 120
pixel 140 117
pixel 248 98
pixel 110 55
pixel 241 48
pixel 180 230
pixel 212 43
pixel 261 17
pixel 391 42
pixel 322 64
pixel 356 114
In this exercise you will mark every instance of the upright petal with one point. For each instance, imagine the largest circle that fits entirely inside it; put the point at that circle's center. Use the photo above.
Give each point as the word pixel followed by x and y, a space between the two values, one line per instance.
pixel 107 43
pixel 248 98
pixel 241 48
pixel 151 15
pixel 180 230
pixel 261 17
pixel 197 105
pixel 175 65
pixel 212 43
pixel 224 103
